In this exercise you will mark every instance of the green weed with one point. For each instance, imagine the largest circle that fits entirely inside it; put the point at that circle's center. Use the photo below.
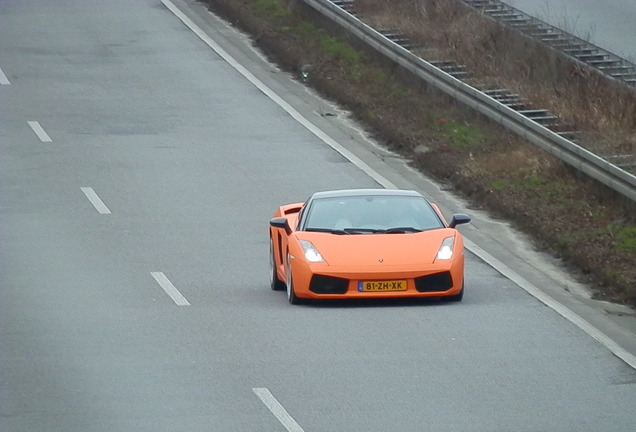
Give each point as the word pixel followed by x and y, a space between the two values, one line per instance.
pixel 626 237
pixel 462 135
pixel 306 30
pixel 532 181
pixel 272 9
pixel 499 185
pixel 340 51
pixel 378 77
pixel 526 182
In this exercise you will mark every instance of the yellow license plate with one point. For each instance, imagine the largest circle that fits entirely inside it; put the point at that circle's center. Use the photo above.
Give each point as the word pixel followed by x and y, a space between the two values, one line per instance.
pixel 382 286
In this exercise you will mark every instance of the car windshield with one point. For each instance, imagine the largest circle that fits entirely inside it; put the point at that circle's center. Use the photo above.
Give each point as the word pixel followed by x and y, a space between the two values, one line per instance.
pixel 380 214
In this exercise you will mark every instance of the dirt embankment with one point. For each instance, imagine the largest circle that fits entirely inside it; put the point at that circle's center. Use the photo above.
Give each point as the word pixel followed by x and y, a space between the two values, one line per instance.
pixel 586 225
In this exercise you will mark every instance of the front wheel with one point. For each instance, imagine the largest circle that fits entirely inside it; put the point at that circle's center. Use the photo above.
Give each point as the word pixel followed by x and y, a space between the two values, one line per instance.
pixel 457 297
pixel 291 294
pixel 275 283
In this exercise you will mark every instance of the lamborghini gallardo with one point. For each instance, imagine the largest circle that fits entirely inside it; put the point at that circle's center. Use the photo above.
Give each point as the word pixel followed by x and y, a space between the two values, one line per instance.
pixel 366 243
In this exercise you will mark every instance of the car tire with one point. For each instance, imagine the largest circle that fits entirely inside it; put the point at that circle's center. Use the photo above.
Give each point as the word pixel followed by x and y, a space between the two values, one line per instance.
pixel 457 297
pixel 275 283
pixel 291 294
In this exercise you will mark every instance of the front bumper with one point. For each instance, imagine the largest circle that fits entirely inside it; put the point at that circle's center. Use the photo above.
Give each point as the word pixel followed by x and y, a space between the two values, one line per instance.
pixel 320 281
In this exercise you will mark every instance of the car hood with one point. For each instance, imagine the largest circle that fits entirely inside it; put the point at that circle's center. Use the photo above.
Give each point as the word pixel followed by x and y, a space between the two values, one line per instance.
pixel 385 249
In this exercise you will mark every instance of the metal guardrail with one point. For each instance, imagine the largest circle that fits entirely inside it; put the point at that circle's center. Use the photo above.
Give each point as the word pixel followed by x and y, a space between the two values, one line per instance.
pixel 583 160
pixel 579 50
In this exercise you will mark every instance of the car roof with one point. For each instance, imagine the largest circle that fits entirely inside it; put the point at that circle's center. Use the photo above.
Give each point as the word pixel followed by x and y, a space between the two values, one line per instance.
pixel 364 192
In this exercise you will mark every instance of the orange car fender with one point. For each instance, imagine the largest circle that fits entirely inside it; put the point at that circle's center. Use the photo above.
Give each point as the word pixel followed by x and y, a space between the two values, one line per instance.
pixel 279 244
pixel 457 266
pixel 300 268
pixel 279 237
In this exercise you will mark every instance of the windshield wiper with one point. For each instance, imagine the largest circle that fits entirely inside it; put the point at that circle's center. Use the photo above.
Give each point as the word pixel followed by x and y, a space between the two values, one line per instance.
pixel 363 230
pixel 402 230
pixel 396 230
pixel 328 230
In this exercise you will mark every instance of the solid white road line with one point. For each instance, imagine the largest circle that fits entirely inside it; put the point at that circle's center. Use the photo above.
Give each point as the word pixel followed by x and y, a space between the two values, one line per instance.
pixel 170 289
pixel 39 131
pixel 94 199
pixel 562 310
pixel 277 409
pixel 3 78
pixel 605 340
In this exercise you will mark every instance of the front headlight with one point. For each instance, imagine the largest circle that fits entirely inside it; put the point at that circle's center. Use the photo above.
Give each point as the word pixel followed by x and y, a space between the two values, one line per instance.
pixel 445 251
pixel 311 254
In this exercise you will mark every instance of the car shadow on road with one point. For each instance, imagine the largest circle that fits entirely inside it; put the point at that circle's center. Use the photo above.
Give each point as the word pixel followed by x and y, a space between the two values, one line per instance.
pixel 378 303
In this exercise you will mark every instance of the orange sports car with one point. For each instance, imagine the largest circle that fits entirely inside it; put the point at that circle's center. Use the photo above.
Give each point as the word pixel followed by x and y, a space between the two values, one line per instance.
pixel 366 243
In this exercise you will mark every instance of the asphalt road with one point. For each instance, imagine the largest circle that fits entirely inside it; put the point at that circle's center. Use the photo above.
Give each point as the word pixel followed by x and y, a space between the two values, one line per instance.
pixel 138 170
pixel 610 24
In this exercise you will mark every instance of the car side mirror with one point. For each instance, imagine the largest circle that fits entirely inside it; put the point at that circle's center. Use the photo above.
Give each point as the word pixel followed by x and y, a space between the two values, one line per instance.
pixel 458 219
pixel 282 223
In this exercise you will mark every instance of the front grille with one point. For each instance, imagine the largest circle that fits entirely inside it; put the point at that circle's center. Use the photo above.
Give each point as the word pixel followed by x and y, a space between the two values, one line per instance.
pixel 434 283
pixel 328 285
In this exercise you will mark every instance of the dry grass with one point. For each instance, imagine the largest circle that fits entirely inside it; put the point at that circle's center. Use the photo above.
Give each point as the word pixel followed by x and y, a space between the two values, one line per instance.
pixel 504 58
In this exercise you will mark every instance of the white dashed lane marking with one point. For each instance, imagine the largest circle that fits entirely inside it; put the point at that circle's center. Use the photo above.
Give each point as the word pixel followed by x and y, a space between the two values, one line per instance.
pixel 3 79
pixel 277 409
pixel 170 289
pixel 94 199
pixel 39 131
